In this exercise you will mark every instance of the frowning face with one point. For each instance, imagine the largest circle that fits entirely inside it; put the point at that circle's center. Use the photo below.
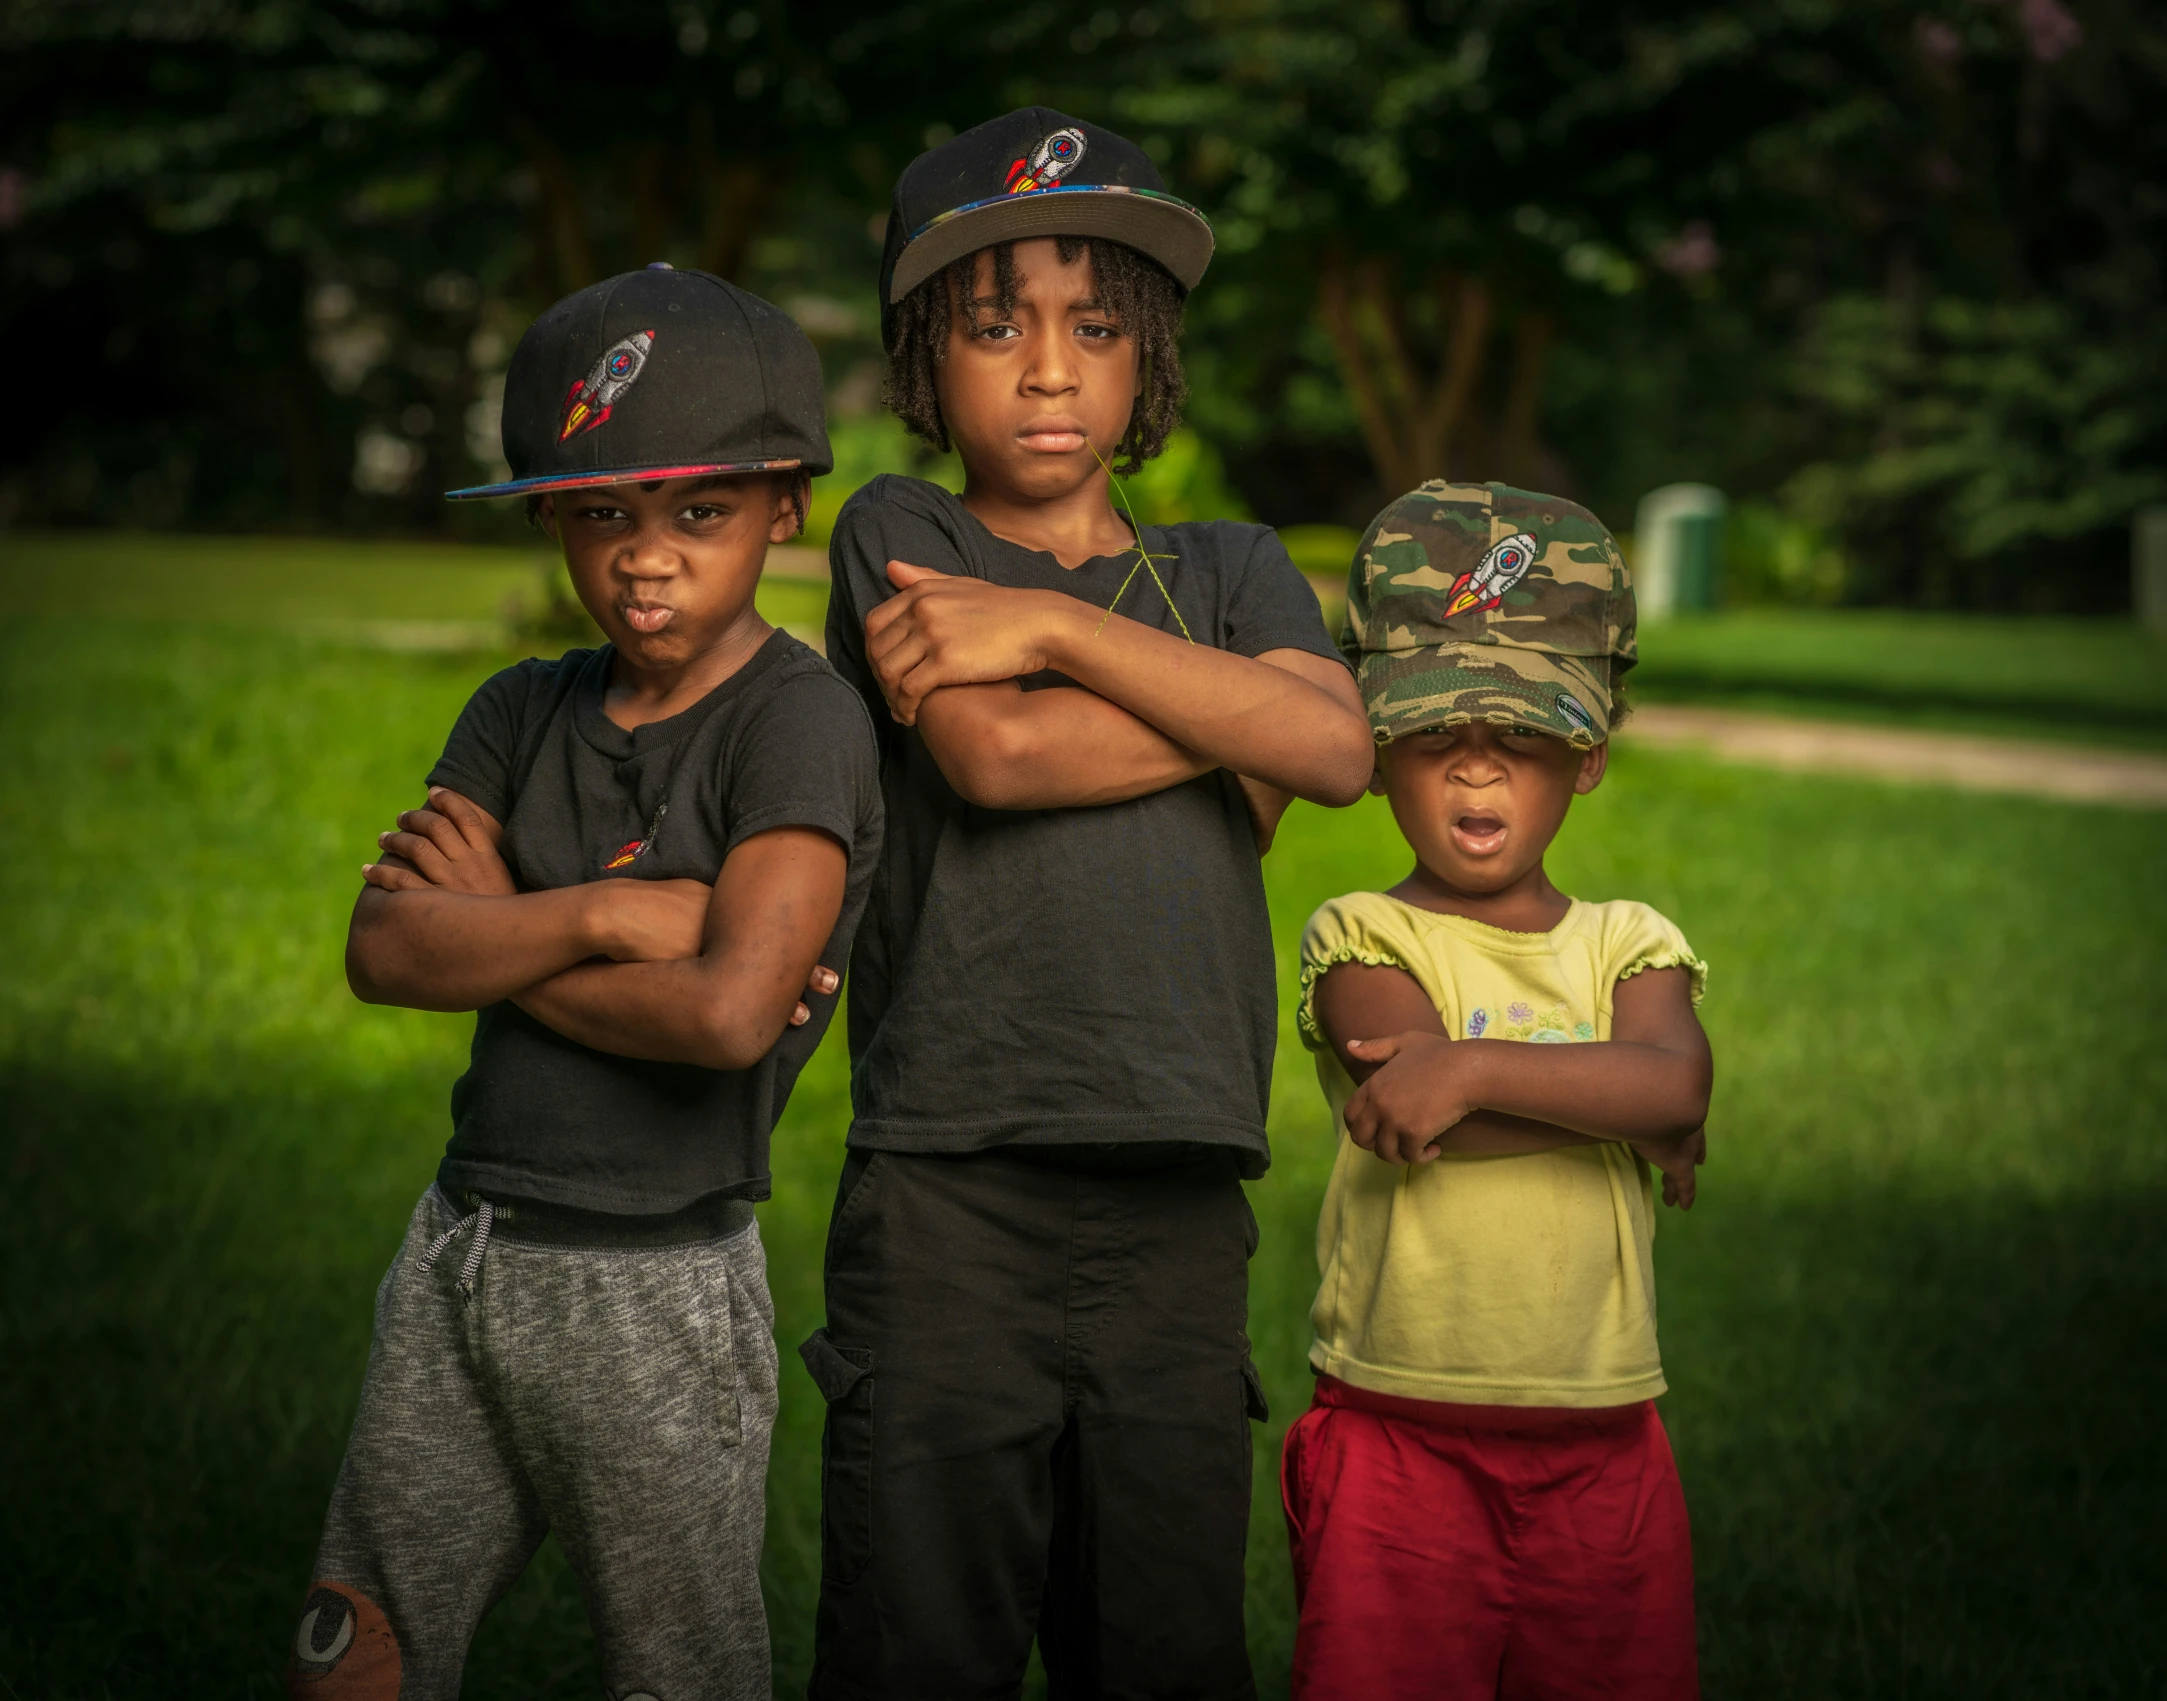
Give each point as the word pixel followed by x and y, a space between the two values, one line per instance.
pixel 1036 398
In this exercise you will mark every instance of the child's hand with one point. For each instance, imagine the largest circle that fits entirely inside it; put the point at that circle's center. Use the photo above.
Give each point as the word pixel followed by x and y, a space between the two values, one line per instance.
pixel 1416 1094
pixel 1677 1159
pixel 948 629
pixel 451 845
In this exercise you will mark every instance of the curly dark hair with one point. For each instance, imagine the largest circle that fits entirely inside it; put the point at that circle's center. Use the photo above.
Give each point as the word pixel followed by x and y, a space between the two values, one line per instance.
pixel 1139 294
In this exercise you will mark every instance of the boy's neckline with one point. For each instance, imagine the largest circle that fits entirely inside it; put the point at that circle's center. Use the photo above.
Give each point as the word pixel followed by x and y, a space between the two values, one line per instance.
pixel 1117 554
pixel 591 715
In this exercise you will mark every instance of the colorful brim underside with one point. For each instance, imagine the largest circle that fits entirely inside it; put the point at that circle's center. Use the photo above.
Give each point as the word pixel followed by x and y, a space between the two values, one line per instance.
pixel 1409 690
pixel 620 475
pixel 1163 226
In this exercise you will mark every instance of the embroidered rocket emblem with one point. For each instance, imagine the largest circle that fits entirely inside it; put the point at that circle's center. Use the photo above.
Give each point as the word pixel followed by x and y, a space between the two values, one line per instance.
pixel 1494 575
pixel 1052 160
pixel 631 851
pixel 616 370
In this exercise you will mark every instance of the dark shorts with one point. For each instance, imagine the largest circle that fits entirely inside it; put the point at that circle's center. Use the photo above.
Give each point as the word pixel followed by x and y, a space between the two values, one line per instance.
pixel 1039 1394
pixel 1486 1553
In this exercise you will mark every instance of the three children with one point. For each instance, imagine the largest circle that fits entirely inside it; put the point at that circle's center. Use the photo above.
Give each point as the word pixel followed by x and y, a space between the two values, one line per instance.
pixel 643 865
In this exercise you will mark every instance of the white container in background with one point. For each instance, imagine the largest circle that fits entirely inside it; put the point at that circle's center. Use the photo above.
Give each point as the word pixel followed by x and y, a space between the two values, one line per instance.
pixel 2148 566
pixel 1678 550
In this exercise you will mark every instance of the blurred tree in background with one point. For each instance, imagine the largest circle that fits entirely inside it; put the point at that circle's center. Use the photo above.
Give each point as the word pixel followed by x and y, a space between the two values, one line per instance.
pixel 1890 270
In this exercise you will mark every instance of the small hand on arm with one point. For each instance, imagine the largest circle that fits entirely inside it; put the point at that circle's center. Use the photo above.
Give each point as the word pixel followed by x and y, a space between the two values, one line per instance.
pixel 442 926
pixel 1422 1095
pixel 1156 710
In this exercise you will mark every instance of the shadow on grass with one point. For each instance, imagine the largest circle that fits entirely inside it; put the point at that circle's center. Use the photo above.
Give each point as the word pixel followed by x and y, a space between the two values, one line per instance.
pixel 1918 1433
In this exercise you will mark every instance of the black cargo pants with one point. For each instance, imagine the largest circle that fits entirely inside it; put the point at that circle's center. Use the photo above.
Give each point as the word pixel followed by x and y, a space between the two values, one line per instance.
pixel 1039 1394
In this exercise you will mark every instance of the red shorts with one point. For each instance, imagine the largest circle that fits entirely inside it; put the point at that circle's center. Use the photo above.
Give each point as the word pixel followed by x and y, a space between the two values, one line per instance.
pixel 1448 1551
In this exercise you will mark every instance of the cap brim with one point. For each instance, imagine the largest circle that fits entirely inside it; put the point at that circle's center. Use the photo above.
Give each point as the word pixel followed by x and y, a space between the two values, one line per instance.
pixel 1152 222
pixel 620 475
pixel 1453 685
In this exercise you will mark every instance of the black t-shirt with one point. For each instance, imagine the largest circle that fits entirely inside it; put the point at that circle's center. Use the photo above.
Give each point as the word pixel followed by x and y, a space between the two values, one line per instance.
pixel 1063 976
pixel 780 743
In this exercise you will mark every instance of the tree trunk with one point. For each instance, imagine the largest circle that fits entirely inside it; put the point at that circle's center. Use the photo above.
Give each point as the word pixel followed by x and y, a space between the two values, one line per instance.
pixel 1415 406
pixel 1519 442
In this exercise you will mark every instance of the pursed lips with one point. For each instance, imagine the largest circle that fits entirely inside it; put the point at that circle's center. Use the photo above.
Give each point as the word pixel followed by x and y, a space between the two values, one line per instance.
pixel 1054 434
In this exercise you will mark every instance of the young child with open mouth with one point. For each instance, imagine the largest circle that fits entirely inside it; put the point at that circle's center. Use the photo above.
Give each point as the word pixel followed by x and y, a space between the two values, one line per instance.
pixel 1482 1499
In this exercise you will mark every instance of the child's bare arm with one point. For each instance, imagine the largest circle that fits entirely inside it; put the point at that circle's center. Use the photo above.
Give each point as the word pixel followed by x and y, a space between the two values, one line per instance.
pixel 1354 999
pixel 440 925
pixel 772 911
pixel 1648 1084
pixel 1288 719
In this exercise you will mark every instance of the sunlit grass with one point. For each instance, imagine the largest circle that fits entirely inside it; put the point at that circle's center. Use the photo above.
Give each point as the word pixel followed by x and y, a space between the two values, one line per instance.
pixel 1912 1329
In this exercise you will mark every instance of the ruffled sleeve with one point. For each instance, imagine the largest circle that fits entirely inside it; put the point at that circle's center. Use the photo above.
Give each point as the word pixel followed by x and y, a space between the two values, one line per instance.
pixel 1642 938
pixel 1353 929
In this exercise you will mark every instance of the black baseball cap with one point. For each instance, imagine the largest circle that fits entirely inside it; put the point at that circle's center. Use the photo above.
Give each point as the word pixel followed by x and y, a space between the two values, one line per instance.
pixel 659 374
pixel 1033 172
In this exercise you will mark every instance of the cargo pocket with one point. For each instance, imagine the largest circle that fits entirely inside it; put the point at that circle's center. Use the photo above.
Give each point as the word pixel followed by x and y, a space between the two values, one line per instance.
pixel 1253 1400
pixel 844 1376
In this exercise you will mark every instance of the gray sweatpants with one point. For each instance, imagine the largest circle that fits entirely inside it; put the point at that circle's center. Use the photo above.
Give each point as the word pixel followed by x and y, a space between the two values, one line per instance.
pixel 620 1395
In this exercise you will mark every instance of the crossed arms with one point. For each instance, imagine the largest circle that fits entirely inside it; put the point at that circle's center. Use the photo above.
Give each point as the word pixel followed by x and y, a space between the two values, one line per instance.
pixel 1421 1095
pixel 1155 710
pixel 674 971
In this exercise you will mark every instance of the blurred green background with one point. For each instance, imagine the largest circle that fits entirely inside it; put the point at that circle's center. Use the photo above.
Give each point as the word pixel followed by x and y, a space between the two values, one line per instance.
pixel 1888 273
pixel 1912 1329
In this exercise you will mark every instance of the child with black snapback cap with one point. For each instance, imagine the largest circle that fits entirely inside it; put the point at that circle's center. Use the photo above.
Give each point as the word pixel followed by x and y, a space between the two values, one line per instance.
pixel 632 861
pixel 1062 1010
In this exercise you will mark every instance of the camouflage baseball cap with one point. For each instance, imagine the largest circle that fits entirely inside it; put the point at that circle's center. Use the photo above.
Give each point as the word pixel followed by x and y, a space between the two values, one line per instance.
pixel 1478 602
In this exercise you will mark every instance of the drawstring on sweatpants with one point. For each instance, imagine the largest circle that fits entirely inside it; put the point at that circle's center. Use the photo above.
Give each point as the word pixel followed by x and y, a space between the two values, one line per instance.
pixel 478 1220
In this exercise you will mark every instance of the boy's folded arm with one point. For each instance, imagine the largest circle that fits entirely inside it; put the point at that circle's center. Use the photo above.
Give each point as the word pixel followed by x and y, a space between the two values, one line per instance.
pixel 772 912
pixel 1358 1001
pixel 441 925
pixel 1002 747
pixel 1287 718
pixel 429 948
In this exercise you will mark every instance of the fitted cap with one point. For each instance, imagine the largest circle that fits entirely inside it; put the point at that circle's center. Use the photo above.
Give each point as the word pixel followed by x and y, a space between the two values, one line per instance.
pixel 1033 172
pixel 1479 602
pixel 659 374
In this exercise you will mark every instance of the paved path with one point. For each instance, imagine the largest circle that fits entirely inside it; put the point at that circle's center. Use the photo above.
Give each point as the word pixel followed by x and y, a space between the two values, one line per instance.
pixel 2069 772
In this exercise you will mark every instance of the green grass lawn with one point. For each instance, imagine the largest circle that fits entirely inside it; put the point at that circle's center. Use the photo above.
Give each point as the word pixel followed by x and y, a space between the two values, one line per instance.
pixel 1913 1328
pixel 2093 681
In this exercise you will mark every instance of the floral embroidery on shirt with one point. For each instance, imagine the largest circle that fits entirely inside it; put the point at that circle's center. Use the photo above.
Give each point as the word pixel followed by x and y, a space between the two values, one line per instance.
pixel 1476 1022
pixel 1554 1026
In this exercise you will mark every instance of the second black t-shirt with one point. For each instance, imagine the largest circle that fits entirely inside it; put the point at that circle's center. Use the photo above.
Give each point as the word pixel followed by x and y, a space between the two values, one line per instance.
pixel 1063 976
pixel 780 743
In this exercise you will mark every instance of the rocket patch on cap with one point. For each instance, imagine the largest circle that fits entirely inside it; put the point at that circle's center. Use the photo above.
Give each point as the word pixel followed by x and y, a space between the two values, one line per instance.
pixel 616 369
pixel 1495 574
pixel 1053 159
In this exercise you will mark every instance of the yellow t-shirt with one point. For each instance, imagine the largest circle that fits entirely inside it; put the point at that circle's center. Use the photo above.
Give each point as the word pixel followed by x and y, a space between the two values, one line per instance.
pixel 1508 1281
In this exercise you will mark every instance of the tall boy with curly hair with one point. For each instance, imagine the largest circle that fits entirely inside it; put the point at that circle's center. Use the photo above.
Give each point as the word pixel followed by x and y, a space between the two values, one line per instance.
pixel 1062 1008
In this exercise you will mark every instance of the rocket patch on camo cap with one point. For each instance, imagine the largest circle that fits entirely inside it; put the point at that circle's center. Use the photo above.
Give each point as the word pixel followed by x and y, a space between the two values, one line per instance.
pixel 1479 602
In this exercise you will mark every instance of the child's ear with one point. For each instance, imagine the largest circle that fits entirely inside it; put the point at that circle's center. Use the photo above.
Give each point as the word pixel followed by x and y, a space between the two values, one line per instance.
pixel 1593 766
pixel 545 516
